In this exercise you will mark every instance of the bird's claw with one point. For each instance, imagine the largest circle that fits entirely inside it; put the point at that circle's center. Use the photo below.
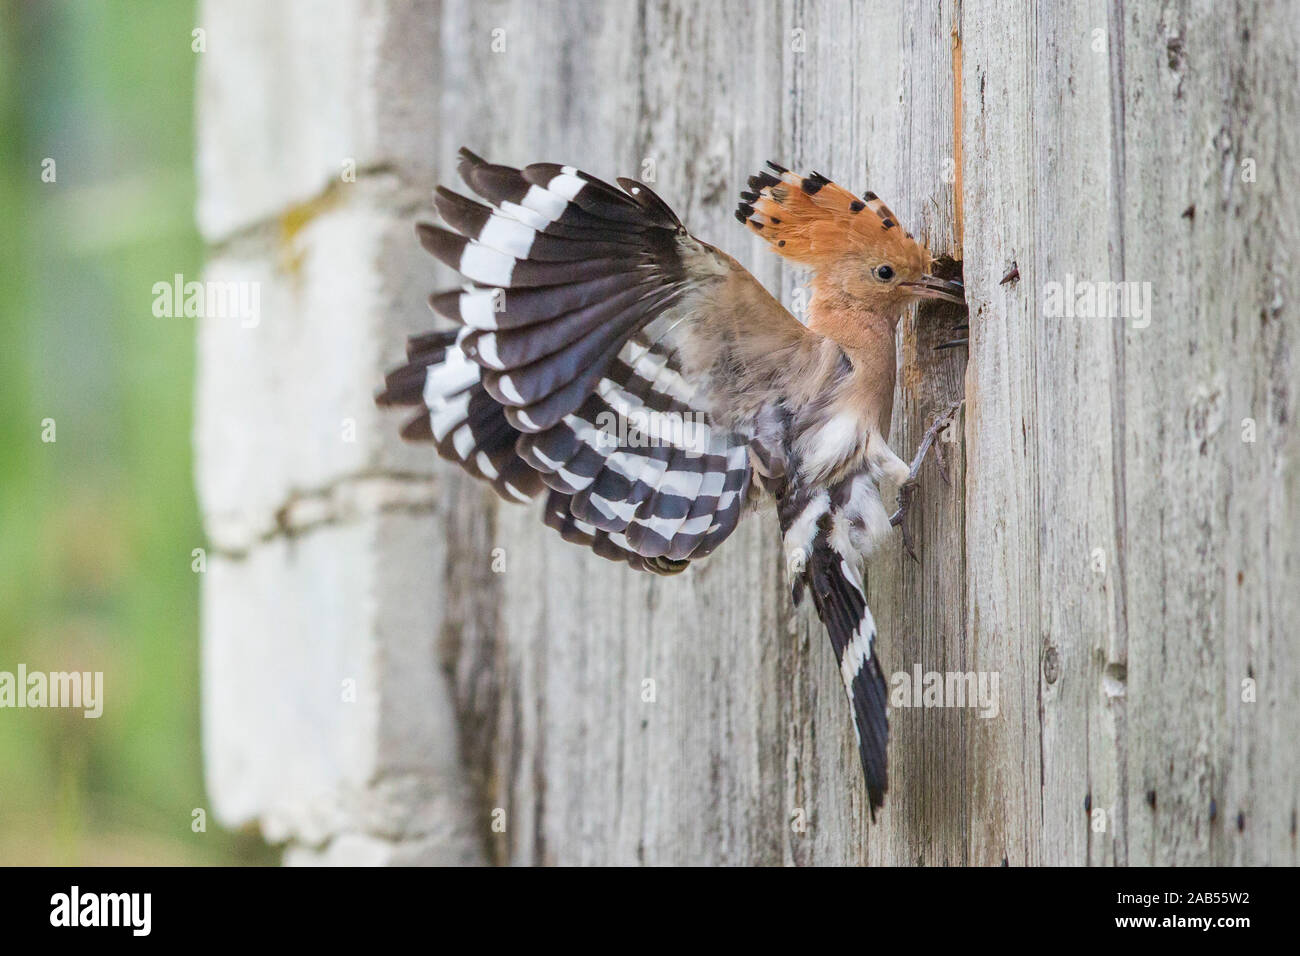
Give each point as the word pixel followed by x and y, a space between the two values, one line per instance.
pixel 905 493
pixel 907 490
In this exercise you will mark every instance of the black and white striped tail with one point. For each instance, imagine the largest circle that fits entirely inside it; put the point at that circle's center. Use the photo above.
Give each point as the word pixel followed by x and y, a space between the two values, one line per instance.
pixel 832 530
pixel 574 287
pixel 842 605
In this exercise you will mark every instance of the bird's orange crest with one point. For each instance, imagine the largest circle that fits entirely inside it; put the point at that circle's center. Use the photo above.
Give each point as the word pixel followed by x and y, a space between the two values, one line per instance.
pixel 813 221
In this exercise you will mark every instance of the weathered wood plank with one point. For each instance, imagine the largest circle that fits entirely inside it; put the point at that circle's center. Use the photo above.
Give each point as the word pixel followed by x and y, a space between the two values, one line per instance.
pixel 1042 536
pixel 1209 95
pixel 926 611
pixel 1112 501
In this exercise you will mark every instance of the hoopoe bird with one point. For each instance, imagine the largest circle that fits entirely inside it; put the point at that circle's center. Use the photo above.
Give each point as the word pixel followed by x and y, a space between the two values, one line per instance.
pixel 587 304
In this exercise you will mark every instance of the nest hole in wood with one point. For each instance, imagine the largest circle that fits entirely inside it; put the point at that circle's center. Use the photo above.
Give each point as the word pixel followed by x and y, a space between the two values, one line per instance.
pixel 938 321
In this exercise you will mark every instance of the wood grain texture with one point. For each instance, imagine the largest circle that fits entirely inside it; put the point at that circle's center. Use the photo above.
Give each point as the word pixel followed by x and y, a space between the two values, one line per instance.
pixel 1109 547
pixel 1121 533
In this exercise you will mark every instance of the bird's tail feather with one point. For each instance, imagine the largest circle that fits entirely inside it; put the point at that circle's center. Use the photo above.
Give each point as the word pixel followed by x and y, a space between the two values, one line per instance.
pixel 842 605
pixel 827 534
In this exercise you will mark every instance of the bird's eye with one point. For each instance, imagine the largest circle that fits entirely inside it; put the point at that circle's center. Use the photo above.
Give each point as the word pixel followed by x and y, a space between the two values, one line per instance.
pixel 884 273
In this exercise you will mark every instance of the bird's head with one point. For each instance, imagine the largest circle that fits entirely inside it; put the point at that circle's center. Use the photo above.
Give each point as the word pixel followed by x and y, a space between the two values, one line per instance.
pixel 885 272
pixel 856 245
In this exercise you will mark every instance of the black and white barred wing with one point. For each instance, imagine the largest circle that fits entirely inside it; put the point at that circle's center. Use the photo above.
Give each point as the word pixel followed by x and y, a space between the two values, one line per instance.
pixel 456 413
pixel 564 373
pixel 639 468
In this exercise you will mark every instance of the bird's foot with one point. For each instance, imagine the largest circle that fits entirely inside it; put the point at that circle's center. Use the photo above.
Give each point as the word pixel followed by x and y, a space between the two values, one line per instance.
pixel 907 490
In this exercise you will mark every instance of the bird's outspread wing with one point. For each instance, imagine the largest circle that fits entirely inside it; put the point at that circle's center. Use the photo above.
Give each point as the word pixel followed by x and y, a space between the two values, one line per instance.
pixel 603 355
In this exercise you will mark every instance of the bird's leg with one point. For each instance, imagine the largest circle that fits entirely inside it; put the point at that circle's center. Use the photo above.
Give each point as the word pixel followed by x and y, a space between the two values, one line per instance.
pixel 907 489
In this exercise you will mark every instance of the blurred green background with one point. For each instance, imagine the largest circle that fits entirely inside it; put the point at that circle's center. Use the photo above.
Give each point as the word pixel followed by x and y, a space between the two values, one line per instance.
pixel 97 528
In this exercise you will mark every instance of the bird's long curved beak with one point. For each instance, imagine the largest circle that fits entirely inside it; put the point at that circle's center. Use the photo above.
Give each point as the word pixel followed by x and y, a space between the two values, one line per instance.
pixel 932 287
